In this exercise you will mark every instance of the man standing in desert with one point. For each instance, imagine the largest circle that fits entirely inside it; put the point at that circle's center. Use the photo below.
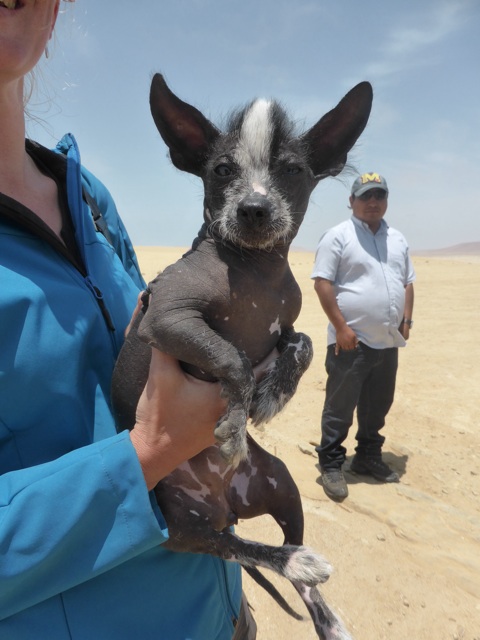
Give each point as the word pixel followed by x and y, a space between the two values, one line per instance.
pixel 364 278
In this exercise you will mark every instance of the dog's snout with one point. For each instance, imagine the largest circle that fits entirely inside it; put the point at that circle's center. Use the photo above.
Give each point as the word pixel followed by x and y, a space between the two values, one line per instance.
pixel 254 210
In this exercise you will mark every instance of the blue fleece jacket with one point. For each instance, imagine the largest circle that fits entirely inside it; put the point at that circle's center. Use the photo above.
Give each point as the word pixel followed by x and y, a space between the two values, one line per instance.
pixel 80 536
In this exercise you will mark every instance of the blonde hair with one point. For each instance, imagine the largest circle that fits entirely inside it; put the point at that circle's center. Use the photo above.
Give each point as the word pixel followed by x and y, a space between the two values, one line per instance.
pixel 32 80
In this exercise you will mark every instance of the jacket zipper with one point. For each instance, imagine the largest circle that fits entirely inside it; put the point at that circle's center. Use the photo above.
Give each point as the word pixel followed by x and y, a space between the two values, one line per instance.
pixel 101 303
pixel 76 202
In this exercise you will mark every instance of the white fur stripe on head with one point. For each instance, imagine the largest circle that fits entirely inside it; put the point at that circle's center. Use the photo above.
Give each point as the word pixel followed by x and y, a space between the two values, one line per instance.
pixel 256 134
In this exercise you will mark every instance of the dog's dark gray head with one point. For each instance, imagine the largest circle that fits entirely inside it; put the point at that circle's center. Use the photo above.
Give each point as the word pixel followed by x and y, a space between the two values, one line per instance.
pixel 257 178
pixel 258 174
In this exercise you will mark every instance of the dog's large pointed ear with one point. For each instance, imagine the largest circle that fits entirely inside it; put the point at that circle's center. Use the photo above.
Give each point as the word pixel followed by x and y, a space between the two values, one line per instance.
pixel 186 132
pixel 330 140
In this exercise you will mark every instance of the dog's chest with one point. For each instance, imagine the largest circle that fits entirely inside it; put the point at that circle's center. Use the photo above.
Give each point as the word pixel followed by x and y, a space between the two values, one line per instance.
pixel 256 306
pixel 256 314
pixel 247 299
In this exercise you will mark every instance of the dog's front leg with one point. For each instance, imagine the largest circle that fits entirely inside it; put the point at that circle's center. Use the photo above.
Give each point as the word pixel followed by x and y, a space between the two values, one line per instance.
pixel 279 384
pixel 185 335
pixel 238 383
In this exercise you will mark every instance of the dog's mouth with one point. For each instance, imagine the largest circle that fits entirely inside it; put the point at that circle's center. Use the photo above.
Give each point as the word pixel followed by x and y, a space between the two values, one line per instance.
pixel 252 224
pixel 272 234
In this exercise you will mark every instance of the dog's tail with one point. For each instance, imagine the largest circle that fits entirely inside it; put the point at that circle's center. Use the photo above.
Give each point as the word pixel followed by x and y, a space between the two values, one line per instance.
pixel 261 580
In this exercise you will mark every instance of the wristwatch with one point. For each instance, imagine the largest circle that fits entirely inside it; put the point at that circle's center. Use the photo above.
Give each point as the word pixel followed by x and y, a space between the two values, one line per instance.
pixel 408 322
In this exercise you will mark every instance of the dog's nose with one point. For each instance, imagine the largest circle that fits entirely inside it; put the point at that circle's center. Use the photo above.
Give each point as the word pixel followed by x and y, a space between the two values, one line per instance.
pixel 254 210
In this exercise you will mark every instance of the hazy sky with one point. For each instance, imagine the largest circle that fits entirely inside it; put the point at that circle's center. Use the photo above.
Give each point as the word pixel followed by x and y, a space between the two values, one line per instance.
pixel 422 58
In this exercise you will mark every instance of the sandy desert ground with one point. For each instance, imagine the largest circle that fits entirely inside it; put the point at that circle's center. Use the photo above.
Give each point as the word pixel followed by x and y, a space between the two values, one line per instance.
pixel 406 557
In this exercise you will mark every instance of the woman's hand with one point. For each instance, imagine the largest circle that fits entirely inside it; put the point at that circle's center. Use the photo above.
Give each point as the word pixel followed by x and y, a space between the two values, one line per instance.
pixel 176 416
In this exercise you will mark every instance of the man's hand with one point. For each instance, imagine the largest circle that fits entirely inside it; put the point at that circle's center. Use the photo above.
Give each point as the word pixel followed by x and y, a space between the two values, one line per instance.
pixel 346 339
pixel 404 329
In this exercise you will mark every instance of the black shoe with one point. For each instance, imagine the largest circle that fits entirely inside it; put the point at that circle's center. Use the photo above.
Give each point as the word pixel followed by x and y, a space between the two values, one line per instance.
pixel 334 484
pixel 374 467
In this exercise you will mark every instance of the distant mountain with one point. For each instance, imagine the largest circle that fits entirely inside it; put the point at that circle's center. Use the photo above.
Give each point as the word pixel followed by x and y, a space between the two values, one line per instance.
pixel 464 249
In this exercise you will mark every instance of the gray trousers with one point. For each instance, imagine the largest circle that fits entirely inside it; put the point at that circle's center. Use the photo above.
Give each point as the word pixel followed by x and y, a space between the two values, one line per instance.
pixel 246 627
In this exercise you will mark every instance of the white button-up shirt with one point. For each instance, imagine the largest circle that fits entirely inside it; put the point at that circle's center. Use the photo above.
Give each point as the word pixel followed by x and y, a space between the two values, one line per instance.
pixel 369 274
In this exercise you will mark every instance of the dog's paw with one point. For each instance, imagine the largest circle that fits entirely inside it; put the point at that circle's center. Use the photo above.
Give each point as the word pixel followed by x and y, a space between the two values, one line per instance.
pixel 268 400
pixel 307 566
pixel 280 383
pixel 231 434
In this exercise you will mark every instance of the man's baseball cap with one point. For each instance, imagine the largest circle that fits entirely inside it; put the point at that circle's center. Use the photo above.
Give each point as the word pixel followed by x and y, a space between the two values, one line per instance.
pixel 368 181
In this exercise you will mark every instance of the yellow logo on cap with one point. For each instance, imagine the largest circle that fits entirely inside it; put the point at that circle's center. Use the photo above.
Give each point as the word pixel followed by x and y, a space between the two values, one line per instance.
pixel 370 177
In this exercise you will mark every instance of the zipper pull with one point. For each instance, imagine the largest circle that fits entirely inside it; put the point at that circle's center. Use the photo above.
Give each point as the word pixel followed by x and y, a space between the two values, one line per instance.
pixel 101 303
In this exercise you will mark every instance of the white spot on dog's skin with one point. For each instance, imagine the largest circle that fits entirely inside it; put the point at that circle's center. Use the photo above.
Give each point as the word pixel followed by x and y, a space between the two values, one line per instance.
pixel 298 348
pixel 275 326
pixel 226 319
pixel 327 621
pixel 254 305
pixel 258 188
pixel 307 594
pixel 272 481
pixel 195 513
pixel 197 495
pixel 256 132
pixel 215 469
pixel 241 482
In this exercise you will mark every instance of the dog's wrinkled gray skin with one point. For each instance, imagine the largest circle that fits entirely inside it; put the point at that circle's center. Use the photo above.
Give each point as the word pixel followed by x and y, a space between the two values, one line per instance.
pixel 199 516
pixel 223 307
pixel 229 301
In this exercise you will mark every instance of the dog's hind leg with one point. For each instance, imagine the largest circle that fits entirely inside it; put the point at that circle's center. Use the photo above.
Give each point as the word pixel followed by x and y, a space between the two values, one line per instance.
pixel 291 562
pixel 327 624
pixel 296 563
pixel 301 566
pixel 263 582
pixel 264 485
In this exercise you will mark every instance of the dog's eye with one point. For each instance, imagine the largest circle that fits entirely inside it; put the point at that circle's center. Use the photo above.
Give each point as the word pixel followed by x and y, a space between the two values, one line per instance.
pixel 292 169
pixel 223 170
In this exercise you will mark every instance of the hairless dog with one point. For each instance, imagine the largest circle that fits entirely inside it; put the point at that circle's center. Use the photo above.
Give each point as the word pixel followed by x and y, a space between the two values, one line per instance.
pixel 223 307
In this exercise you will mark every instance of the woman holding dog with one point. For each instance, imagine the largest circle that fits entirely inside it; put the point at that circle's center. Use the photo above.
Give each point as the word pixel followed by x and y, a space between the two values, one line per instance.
pixel 80 533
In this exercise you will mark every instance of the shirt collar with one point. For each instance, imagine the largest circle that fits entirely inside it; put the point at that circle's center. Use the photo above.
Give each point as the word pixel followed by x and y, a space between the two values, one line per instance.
pixel 381 229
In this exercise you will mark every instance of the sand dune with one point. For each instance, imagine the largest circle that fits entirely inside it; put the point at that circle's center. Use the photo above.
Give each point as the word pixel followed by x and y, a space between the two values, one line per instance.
pixel 457 250
pixel 406 556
